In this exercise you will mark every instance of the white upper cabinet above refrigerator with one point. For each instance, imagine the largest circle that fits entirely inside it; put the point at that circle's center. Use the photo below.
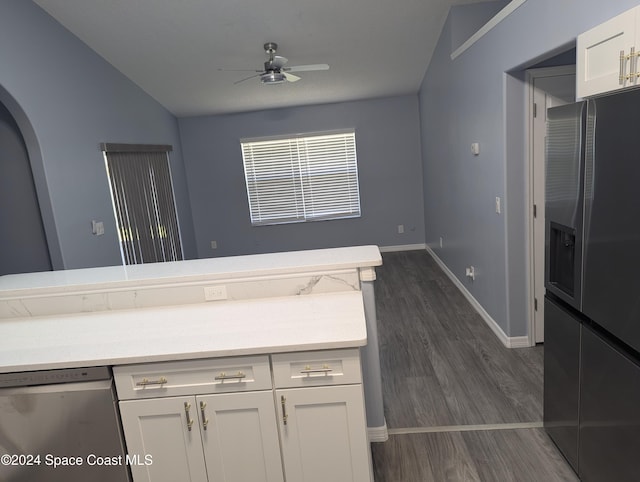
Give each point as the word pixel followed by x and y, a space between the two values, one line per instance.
pixel 607 56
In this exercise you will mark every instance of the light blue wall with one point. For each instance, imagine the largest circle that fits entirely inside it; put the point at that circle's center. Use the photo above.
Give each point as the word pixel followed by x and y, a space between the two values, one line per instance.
pixel 390 177
pixel 66 100
pixel 473 99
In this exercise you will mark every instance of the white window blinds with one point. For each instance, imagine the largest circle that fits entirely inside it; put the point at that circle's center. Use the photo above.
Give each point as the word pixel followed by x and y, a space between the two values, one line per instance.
pixel 299 179
pixel 143 202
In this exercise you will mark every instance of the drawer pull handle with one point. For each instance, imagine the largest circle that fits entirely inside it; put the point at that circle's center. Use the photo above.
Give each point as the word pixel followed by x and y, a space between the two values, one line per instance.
pixel 146 381
pixel 325 369
pixel 187 407
pixel 283 401
pixel 205 420
pixel 237 376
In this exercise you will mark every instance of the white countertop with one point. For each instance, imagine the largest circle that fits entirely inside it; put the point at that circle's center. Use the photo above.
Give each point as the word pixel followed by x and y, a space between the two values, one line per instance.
pixel 203 330
pixel 211 269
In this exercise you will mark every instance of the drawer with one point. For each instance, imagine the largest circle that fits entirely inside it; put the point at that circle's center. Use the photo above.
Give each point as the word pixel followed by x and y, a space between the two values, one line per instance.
pixel 310 369
pixel 192 377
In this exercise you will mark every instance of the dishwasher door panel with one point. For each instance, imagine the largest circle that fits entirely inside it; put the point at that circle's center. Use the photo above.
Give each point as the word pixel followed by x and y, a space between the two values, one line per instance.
pixel 63 420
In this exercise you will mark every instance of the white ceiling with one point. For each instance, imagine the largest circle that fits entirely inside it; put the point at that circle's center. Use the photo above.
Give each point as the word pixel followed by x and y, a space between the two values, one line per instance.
pixel 173 48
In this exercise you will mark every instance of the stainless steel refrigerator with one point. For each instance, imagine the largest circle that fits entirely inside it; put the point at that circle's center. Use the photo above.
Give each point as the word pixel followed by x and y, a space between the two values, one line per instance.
pixel 592 306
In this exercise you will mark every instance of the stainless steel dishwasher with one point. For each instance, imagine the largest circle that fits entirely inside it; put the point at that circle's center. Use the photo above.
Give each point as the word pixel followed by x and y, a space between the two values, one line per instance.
pixel 60 425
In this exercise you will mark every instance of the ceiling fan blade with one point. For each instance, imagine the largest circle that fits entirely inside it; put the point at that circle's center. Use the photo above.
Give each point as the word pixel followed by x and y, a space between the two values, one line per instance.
pixel 290 77
pixel 238 70
pixel 306 68
pixel 247 78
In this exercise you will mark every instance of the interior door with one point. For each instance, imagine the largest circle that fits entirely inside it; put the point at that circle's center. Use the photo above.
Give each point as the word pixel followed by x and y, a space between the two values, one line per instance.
pixel 551 87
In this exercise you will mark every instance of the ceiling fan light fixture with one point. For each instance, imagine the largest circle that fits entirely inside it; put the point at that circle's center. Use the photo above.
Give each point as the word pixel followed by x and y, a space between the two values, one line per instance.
pixel 269 78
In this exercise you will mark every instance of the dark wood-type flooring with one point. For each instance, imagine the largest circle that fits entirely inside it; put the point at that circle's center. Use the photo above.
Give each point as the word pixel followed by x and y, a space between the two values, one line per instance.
pixel 459 405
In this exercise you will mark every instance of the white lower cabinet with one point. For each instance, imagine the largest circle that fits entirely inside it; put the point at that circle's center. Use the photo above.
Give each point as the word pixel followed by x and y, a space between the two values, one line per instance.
pixel 217 438
pixel 159 428
pixel 241 437
pixel 324 434
pixel 310 427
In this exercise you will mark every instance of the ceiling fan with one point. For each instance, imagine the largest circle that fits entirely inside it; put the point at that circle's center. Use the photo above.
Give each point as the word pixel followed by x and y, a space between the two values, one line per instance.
pixel 275 71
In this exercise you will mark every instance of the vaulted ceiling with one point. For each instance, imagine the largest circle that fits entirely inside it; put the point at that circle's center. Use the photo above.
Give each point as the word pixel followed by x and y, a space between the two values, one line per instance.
pixel 174 49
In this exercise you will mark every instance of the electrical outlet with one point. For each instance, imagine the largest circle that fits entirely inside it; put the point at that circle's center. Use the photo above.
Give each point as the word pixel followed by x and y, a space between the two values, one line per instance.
pixel 441 241
pixel 471 272
pixel 214 245
pixel 400 228
pixel 213 293
pixel 498 206
pixel 97 228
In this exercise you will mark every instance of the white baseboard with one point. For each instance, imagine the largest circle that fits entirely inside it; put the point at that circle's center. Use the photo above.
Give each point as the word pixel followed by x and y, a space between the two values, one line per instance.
pixel 519 342
pixel 402 247
pixel 378 434
pixel 509 342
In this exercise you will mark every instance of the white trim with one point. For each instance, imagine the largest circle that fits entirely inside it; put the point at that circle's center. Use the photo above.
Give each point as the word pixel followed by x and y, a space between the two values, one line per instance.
pixel 378 434
pixel 520 342
pixel 466 428
pixel 509 342
pixel 499 17
pixel 402 247
pixel 297 134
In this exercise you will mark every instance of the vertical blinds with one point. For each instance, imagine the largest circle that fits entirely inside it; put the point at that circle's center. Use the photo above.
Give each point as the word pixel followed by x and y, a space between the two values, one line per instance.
pixel 301 179
pixel 143 202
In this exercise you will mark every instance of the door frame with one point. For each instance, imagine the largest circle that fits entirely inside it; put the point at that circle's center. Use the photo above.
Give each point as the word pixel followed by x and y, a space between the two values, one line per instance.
pixel 531 76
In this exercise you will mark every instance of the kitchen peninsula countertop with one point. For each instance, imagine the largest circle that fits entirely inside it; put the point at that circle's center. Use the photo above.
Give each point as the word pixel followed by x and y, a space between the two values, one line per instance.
pixel 206 330
pixel 209 269
pixel 277 302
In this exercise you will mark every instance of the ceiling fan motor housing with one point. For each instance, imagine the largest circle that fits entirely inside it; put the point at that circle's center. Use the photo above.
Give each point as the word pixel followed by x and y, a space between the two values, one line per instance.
pixel 272 77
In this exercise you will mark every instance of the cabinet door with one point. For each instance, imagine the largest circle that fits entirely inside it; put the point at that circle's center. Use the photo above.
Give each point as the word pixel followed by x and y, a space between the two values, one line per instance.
pixel 240 437
pixel 324 434
pixel 161 428
pixel 599 67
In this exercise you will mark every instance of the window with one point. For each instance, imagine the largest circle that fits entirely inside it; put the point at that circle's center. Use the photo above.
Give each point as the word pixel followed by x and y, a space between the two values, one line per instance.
pixel 303 178
pixel 143 202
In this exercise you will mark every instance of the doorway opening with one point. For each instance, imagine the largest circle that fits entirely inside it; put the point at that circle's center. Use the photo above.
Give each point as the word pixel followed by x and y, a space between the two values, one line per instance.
pixel 22 237
pixel 547 87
